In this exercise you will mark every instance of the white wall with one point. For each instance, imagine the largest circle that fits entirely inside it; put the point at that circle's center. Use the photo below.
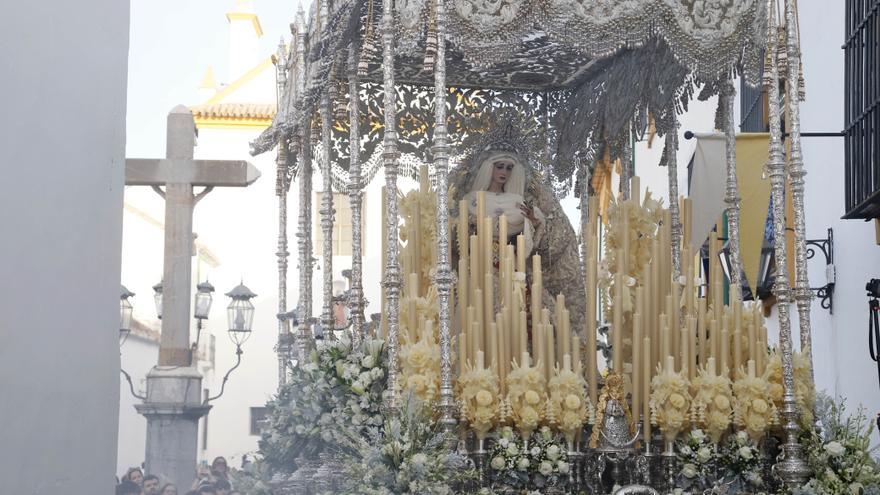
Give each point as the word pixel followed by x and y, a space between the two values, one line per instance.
pixel 62 143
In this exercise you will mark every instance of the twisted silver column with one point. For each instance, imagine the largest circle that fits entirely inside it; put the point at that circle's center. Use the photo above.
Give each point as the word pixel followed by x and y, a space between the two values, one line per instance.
pixel 355 199
pixel 731 191
pixel 792 469
pixel 304 229
pixel 626 169
pixel 327 320
pixel 802 293
pixel 390 158
pixel 443 278
pixel 672 170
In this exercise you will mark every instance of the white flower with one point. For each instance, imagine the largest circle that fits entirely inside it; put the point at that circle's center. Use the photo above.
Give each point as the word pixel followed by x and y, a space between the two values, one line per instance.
pixel 689 470
pixel 563 467
pixel 536 451
pixel 377 373
pixel 357 387
pixel 678 491
pixel 704 454
pixel 856 488
pixel 742 437
pixel 698 435
pixel 419 460
pixel 545 468
pixel 745 452
pixel 503 442
pixel 553 452
pixel 834 448
pixel 523 464
pixel 498 463
pixel 686 450
pixel 512 449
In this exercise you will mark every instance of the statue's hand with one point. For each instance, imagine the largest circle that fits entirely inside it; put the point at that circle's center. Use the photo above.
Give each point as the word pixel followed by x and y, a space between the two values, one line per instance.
pixel 530 214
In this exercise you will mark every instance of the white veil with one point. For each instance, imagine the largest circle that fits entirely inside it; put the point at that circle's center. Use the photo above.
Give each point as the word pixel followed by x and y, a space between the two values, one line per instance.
pixel 516 183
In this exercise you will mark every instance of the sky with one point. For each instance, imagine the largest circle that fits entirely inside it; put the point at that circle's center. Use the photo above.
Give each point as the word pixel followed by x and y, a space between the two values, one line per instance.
pixel 172 43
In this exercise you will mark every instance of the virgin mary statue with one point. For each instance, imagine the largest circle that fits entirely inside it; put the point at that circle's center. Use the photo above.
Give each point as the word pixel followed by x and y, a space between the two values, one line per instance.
pixel 514 190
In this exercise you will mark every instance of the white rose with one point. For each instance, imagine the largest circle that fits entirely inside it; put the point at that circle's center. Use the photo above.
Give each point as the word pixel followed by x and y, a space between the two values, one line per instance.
pixel 834 448
pixel 377 373
pixel 545 468
pixel 498 463
pixel 503 443
pixel 745 452
pixel 419 460
pixel 523 464
pixel 536 451
pixel 553 452
pixel 562 466
pixel 704 454
pixel 512 449
pixel 686 450
pixel 698 435
pixel 689 470
pixel 357 387
pixel 742 437
pixel 367 362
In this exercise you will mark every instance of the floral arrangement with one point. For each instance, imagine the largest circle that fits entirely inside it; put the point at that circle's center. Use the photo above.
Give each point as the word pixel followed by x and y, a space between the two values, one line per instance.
pixel 337 385
pixel 753 407
pixel 569 407
pixel 741 461
pixel 711 408
pixel 420 366
pixel 516 463
pixel 840 456
pixel 670 402
pixel 641 222
pixel 410 454
pixel 526 396
pixel 804 390
pixel 699 459
pixel 480 399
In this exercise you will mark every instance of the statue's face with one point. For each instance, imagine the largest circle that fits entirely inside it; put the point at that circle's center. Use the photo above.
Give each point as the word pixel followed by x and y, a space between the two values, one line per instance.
pixel 501 171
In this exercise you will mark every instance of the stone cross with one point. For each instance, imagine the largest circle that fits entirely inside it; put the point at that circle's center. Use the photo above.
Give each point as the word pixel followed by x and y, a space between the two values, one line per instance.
pixel 179 173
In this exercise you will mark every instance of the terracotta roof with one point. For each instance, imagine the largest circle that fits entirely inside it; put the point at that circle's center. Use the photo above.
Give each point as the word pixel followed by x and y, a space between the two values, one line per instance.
pixel 262 111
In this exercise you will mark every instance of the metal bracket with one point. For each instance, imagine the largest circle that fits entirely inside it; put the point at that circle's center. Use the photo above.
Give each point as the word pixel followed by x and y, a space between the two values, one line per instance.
pixel 825 293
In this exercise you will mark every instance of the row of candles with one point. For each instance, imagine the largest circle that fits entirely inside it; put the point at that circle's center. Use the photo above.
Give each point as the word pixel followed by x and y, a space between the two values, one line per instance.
pixel 497 336
pixel 667 325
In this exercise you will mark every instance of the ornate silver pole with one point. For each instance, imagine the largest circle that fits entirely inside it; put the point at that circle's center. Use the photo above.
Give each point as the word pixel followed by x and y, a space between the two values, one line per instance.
pixel 444 278
pixel 802 293
pixel 304 229
pixel 389 157
pixel 281 187
pixel 672 170
pixel 327 320
pixel 355 198
pixel 731 192
pixel 792 469
pixel 626 169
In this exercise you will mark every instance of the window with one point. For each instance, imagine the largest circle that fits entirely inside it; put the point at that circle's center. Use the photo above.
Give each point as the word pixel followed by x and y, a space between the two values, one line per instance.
pixel 258 418
pixel 342 240
pixel 861 109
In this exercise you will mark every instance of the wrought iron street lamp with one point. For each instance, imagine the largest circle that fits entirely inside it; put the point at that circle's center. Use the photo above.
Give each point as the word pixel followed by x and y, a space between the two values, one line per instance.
pixel 203 301
pixel 125 310
pixel 766 271
pixel 157 298
pixel 240 314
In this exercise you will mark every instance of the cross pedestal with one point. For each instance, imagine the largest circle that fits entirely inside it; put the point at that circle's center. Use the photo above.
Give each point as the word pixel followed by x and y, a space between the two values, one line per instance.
pixel 173 403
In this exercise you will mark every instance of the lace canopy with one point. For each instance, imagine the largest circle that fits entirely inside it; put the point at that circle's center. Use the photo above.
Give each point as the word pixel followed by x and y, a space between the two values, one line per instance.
pixel 585 72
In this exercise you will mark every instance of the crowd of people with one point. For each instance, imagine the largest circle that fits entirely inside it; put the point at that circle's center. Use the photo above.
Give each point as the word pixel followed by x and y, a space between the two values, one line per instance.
pixel 213 480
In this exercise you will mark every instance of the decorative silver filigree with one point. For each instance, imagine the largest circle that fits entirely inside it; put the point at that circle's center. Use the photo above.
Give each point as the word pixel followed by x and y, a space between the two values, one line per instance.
pixel 327 320
pixel 282 254
pixel 671 158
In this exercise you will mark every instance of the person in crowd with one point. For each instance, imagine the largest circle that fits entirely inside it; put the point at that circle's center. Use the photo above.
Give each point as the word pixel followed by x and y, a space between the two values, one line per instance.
pixel 151 484
pixel 203 477
pixel 135 475
pixel 207 489
pixel 222 486
pixel 128 487
pixel 168 489
pixel 220 468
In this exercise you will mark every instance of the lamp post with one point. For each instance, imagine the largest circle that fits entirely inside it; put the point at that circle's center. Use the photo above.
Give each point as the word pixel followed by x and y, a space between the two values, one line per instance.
pixel 125 310
pixel 766 271
pixel 240 315
pixel 157 298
